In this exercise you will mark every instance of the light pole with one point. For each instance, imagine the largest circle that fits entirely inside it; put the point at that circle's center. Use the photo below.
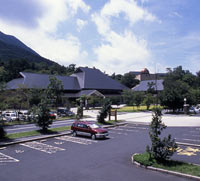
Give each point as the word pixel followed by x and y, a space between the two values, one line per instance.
pixel 185 106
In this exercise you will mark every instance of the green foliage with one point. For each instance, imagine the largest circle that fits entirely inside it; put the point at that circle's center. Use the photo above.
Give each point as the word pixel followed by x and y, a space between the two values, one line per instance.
pixel 54 90
pixel 35 96
pixel 177 86
pixel 132 98
pixel 128 96
pixel 79 112
pixel 95 101
pixel 129 80
pixel 161 148
pixel 148 100
pixel 138 98
pixel 103 113
pixel 10 68
pixel 42 118
pixel 2 132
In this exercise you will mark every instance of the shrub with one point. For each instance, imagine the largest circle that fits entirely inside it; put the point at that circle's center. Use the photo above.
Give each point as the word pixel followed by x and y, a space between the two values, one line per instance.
pixel 103 113
pixel 2 132
pixel 42 117
pixel 161 149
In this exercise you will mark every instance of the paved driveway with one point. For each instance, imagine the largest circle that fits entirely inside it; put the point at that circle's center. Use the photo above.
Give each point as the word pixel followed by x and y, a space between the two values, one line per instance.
pixel 146 117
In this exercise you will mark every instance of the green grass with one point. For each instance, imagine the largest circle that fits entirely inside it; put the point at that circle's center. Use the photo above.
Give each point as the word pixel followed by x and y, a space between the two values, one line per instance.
pixel 37 132
pixel 111 122
pixel 135 108
pixel 172 165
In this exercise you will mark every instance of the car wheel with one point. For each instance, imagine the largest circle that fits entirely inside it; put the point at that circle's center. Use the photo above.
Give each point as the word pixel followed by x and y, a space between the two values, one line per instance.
pixel 94 137
pixel 74 134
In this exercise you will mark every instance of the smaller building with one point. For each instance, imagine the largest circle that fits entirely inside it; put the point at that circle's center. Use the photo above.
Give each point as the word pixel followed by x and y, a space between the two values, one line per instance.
pixel 145 75
pixel 145 85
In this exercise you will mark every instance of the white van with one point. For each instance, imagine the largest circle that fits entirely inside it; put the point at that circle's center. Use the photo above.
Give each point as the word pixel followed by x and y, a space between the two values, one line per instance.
pixel 10 116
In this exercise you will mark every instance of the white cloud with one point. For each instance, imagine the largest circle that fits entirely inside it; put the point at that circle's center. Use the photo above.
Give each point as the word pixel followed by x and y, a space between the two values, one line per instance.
pixel 132 11
pixel 193 63
pixel 43 38
pixel 175 14
pixel 121 52
pixel 80 24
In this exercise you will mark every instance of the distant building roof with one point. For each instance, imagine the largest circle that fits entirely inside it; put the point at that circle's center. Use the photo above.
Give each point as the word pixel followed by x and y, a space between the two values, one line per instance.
pixel 41 81
pixel 144 85
pixel 83 79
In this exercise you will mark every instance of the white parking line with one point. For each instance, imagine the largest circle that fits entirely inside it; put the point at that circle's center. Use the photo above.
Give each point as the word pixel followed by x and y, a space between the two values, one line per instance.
pixel 135 127
pixel 5 158
pixel 120 133
pixel 124 129
pixel 191 135
pixel 188 139
pixel 76 140
pixel 42 147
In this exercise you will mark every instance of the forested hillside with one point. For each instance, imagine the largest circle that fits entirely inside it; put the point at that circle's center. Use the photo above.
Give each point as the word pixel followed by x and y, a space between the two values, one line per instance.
pixel 16 57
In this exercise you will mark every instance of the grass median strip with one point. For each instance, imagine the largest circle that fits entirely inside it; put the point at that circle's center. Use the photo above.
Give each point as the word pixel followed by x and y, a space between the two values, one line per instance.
pixel 37 132
pixel 171 165
pixel 135 108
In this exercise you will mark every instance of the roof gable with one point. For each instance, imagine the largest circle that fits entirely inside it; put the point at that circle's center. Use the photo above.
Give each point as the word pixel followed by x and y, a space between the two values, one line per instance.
pixel 95 79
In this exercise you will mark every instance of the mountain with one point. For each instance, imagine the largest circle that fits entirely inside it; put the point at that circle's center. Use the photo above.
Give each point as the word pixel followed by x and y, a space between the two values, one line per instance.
pixel 13 48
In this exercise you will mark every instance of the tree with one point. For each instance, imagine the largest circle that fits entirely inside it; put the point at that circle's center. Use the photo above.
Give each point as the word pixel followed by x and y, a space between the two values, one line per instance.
pixel 103 113
pixel 2 132
pixel 129 80
pixel 35 96
pixel 54 90
pixel 128 97
pixel 161 148
pixel 138 98
pixel 148 100
pixel 176 88
pixel 42 118
pixel 173 95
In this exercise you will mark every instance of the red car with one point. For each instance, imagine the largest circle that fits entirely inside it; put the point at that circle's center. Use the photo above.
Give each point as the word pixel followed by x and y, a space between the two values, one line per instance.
pixel 88 129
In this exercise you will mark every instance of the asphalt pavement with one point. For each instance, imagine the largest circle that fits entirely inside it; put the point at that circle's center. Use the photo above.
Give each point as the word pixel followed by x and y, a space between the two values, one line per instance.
pixel 31 127
pixel 79 158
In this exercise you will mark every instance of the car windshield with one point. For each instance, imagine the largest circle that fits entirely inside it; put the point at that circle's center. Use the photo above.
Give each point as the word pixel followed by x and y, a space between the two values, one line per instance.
pixel 94 126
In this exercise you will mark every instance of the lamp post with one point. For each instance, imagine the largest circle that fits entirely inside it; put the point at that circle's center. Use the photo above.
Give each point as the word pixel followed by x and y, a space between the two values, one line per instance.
pixel 185 106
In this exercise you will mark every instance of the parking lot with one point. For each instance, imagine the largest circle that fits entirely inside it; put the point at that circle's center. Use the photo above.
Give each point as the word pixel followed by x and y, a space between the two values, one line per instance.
pixel 81 158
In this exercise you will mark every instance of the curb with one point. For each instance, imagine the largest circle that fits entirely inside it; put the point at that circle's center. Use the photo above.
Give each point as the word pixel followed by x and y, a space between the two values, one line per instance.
pixel 164 171
pixel 34 139
pixel 23 140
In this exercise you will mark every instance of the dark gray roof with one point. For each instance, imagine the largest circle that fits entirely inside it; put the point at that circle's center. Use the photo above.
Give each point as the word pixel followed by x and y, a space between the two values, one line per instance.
pixel 15 83
pixel 82 79
pixel 94 79
pixel 41 81
pixel 144 86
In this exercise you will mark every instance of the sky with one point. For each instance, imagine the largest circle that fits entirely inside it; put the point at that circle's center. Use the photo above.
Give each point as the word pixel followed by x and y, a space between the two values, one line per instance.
pixel 115 36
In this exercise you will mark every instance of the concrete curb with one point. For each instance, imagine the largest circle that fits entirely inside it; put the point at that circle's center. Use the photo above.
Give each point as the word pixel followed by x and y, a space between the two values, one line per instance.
pixel 33 139
pixel 36 138
pixel 164 171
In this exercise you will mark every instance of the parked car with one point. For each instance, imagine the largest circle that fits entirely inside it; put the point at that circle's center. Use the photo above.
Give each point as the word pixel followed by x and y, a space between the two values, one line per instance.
pixel 87 128
pixel 52 115
pixel 64 112
pixel 194 110
pixel 10 116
